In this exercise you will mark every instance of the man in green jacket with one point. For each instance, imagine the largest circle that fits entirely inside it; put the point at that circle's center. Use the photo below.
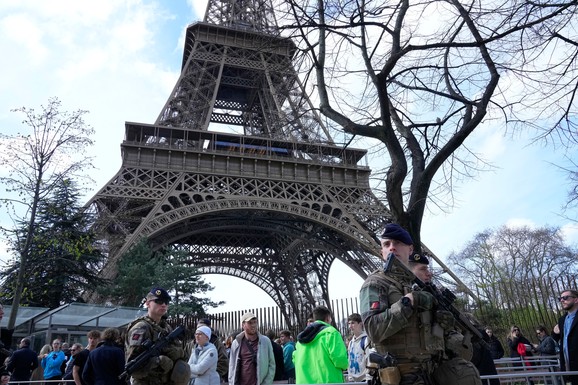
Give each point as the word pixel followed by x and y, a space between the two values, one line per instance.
pixel 320 356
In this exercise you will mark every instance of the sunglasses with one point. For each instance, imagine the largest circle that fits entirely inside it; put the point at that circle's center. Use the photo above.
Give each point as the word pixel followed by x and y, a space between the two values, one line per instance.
pixel 516 330
pixel 565 297
pixel 159 301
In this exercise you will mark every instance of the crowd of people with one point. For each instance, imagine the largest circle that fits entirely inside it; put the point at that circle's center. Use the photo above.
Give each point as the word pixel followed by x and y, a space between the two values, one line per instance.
pixel 402 337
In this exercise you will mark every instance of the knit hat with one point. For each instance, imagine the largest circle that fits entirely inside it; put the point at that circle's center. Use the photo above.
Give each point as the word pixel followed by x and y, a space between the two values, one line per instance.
pixel 205 330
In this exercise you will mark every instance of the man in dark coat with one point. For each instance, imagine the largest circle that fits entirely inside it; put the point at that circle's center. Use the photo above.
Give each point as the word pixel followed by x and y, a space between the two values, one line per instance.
pixel 22 362
pixel 482 359
pixel 106 362
pixel 566 333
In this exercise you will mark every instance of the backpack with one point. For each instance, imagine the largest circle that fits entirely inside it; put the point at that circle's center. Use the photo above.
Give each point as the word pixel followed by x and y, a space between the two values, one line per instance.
pixel 362 344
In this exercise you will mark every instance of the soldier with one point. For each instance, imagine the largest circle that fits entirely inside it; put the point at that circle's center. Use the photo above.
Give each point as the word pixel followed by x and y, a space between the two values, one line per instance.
pixel 456 366
pixel 392 315
pixel 168 368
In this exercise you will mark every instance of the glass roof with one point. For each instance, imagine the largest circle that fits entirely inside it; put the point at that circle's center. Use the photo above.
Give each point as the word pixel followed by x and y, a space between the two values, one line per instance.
pixel 74 315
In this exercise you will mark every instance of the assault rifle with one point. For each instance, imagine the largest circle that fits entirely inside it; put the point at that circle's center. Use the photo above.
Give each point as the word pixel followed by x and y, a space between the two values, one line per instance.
pixel 151 350
pixel 444 298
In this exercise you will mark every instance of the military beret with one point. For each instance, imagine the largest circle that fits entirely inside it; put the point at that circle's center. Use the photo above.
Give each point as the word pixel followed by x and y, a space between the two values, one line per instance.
pixel 395 231
pixel 418 258
pixel 160 293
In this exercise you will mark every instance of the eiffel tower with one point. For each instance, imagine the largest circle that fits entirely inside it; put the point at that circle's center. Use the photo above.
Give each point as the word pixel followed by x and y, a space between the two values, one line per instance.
pixel 275 202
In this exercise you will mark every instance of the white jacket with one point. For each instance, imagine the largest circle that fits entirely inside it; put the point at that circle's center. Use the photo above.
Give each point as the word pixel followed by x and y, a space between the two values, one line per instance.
pixel 203 364
pixel 265 360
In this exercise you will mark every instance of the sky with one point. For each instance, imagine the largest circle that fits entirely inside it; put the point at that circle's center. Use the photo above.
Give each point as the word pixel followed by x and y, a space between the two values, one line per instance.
pixel 119 59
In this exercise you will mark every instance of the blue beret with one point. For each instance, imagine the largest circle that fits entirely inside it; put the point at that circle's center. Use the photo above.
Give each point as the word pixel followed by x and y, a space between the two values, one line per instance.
pixel 395 231
pixel 157 292
pixel 418 258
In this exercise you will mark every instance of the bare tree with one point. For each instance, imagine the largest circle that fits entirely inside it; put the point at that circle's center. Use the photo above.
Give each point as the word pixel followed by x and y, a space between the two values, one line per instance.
pixel 37 162
pixel 508 257
pixel 420 78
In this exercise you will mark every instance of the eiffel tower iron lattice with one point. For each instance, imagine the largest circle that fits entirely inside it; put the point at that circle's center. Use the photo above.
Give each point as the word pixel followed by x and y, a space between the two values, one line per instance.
pixel 274 205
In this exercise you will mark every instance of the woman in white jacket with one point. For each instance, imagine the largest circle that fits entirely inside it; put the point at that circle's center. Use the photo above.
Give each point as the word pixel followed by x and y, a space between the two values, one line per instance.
pixel 203 360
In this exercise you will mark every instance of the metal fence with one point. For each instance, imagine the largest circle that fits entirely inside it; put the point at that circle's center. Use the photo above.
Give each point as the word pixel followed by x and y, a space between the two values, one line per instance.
pixel 527 304
pixel 228 323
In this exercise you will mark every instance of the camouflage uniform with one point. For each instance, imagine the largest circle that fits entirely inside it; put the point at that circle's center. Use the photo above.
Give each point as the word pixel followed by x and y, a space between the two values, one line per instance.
pixel 158 370
pixel 397 328
pixel 456 367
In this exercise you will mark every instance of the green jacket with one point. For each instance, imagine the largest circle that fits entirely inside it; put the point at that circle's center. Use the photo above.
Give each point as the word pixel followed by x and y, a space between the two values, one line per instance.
pixel 320 356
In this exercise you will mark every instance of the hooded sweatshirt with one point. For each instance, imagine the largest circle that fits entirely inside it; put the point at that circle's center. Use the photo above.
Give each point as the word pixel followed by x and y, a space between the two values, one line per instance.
pixel 320 356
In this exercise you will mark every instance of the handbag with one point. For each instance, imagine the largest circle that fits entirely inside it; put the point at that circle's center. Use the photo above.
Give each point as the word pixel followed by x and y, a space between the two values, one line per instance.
pixel 521 349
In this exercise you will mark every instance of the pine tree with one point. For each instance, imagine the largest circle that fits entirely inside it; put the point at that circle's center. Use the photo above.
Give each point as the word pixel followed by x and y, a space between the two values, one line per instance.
pixel 141 269
pixel 136 276
pixel 185 282
pixel 63 260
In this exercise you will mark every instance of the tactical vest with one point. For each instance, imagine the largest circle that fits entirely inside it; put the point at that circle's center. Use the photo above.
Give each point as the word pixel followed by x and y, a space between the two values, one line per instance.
pixel 154 332
pixel 409 343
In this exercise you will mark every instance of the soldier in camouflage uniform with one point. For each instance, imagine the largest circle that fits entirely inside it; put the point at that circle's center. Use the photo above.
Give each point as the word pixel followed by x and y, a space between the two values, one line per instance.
pixel 168 367
pixel 456 366
pixel 394 315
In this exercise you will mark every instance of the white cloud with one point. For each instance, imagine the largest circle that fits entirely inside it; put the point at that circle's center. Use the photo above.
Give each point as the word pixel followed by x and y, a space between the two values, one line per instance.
pixel 570 233
pixel 520 222
pixel 199 7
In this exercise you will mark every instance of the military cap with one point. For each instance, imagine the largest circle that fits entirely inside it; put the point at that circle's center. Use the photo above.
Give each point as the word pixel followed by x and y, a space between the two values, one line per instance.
pixel 395 231
pixel 160 293
pixel 418 258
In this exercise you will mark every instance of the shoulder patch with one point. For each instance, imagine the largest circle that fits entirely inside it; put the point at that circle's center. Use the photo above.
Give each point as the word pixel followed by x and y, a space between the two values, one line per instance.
pixel 136 337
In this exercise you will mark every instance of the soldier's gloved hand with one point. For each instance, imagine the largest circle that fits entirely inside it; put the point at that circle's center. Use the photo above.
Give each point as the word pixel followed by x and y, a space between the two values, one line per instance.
pixel 164 363
pixel 174 353
pixel 445 319
pixel 422 300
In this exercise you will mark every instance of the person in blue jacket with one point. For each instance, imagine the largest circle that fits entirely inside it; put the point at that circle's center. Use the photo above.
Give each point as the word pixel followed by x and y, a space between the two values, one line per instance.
pixel 52 362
